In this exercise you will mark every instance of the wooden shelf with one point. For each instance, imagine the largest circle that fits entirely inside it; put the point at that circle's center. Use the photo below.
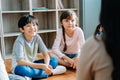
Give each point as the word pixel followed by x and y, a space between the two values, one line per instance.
pixel 46 11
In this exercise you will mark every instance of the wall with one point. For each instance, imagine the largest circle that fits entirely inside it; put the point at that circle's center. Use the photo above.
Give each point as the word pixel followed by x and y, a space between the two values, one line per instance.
pixel 90 13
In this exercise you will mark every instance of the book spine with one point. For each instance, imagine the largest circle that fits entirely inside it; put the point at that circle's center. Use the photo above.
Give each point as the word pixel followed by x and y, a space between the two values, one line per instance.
pixel 61 4
pixel 58 5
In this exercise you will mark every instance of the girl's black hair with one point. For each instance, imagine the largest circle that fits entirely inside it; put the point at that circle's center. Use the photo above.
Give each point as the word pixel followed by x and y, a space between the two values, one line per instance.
pixel 27 19
pixel 67 14
pixel 110 20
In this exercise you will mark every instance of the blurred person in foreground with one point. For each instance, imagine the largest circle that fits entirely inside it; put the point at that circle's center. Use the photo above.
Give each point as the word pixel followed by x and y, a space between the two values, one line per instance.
pixel 100 58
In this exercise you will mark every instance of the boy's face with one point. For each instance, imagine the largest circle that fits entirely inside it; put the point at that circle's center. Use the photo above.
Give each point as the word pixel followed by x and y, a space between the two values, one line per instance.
pixel 29 30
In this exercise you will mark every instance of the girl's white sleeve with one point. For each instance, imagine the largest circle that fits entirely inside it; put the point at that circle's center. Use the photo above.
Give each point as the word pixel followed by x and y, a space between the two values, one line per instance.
pixel 82 39
pixel 57 44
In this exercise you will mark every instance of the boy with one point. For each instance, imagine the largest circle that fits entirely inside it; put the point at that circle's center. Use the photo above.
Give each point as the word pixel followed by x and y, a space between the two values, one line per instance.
pixel 25 50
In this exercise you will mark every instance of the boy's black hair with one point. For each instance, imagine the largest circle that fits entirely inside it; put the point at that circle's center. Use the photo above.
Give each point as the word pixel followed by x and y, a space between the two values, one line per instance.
pixel 27 19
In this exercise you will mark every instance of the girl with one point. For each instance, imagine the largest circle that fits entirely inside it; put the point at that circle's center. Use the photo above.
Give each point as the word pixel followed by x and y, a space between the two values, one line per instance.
pixel 69 40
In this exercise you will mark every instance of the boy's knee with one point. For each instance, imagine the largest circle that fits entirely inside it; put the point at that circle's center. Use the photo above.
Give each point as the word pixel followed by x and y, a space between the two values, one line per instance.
pixel 23 71
pixel 53 61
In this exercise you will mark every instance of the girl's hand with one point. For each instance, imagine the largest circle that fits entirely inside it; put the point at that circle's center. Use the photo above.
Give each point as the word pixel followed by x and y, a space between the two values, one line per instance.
pixel 75 62
pixel 68 60
pixel 71 62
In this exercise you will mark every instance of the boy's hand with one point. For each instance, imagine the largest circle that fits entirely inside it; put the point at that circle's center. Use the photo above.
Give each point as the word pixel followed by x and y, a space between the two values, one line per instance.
pixel 48 69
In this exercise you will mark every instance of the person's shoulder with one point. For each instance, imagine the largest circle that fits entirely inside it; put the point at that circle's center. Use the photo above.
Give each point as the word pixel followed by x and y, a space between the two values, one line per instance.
pixel 20 38
pixel 92 41
pixel 59 31
pixel 92 44
pixel 37 38
pixel 78 29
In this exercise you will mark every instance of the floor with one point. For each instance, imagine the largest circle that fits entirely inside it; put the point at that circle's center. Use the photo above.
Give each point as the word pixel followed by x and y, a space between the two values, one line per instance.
pixel 69 75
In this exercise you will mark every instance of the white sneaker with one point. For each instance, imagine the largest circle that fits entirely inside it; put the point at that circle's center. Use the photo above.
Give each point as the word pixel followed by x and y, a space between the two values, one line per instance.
pixel 27 78
pixel 59 70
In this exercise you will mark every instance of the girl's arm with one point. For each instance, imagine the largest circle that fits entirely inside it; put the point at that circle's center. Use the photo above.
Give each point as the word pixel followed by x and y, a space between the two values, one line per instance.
pixel 75 60
pixel 68 60
pixel 81 38
pixel 57 43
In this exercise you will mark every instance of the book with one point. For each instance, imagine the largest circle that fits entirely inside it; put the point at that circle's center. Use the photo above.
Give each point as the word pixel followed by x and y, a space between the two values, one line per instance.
pixel 39 8
pixel 60 4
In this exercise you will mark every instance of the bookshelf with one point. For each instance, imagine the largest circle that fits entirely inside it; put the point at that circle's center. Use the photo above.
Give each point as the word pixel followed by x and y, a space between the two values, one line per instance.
pixel 46 11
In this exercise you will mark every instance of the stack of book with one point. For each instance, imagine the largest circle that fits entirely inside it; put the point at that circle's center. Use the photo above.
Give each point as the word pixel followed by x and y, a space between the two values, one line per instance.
pixel 60 5
pixel 40 8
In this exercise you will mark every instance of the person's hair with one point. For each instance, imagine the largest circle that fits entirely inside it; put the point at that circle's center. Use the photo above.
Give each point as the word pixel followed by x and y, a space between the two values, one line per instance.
pixel 69 14
pixel 97 31
pixel 110 20
pixel 27 19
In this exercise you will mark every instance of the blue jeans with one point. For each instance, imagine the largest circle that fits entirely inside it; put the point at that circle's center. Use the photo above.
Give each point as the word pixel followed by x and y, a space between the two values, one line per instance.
pixel 34 72
pixel 70 55
pixel 15 77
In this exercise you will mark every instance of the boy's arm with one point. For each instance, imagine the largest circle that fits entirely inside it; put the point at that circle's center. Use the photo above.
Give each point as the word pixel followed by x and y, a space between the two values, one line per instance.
pixel 31 64
pixel 46 57
pixel 44 50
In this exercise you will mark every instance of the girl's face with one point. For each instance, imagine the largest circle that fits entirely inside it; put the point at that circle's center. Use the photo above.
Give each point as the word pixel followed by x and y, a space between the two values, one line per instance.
pixel 29 30
pixel 69 23
pixel 101 28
